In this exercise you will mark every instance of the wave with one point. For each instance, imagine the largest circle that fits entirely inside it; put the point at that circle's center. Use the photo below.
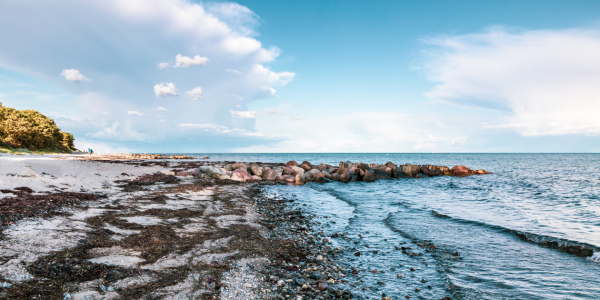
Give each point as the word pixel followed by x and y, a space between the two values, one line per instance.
pixel 564 245
pixel 332 193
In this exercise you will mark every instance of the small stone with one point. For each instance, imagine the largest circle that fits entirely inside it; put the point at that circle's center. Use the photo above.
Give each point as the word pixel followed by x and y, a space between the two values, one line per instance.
pixel 374 271
pixel 399 275
pixel 66 296
pixel 280 283
pixel 412 269
pixel 423 280
pixel 325 240
pixel 357 253
pixel 247 285
pixel 319 257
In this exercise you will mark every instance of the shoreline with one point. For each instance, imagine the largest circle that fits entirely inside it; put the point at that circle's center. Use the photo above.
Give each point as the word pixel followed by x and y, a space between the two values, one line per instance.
pixel 131 229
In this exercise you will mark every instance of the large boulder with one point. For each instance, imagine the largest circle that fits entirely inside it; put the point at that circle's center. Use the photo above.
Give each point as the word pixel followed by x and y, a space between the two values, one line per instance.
pixel 321 167
pixel 256 170
pixel 269 174
pixel 427 171
pixel 239 165
pixel 299 180
pixel 461 171
pixel 241 175
pixel 382 172
pixel 298 170
pixel 312 173
pixel 410 170
pixel 480 172
pixel 212 172
pixel 288 171
pixel 369 176
pixel 256 178
pixel 228 167
pixel 306 167
pixel 391 165
pixel 290 179
pixel 291 163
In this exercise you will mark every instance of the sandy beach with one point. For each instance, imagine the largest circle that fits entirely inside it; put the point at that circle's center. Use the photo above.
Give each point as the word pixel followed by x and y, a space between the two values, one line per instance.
pixel 81 228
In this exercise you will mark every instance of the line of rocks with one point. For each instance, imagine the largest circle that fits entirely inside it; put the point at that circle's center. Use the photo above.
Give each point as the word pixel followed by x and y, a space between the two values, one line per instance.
pixel 299 174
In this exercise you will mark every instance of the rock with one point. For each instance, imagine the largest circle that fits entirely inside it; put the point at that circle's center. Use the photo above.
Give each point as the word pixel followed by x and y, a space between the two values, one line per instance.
pixel 315 276
pixel 66 296
pixel 184 174
pixel 228 167
pixel 341 170
pixel 306 167
pixel 299 179
pixel 427 171
pixel 241 175
pixel 256 177
pixel 290 179
pixel 410 170
pixel 399 275
pixel 269 174
pixel 278 171
pixel 288 171
pixel 321 167
pixel 168 173
pixel 298 170
pixel 369 176
pixel 480 172
pixel 461 171
pixel 291 163
pixel 195 173
pixel 322 286
pixel 212 172
pixel 239 165
pixel 357 253
pixel 313 173
pixel 256 170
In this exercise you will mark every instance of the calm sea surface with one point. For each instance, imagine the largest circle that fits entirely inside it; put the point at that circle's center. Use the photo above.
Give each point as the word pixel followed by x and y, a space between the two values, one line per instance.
pixel 500 236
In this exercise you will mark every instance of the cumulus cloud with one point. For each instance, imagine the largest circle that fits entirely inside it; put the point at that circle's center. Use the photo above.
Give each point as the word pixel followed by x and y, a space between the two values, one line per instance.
pixel 244 114
pixel 73 75
pixel 134 113
pixel 160 108
pixel 195 93
pixel 165 89
pixel 123 67
pixel 185 61
pixel 544 82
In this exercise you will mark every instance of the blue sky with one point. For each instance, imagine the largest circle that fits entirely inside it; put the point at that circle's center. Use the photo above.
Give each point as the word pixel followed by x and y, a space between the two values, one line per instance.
pixel 308 76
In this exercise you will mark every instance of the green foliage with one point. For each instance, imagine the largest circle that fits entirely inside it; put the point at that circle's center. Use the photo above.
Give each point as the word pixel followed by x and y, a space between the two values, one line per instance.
pixel 31 130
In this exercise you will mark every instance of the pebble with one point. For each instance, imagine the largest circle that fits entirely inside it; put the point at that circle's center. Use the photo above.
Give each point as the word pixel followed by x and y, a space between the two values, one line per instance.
pixel 399 275
pixel 66 296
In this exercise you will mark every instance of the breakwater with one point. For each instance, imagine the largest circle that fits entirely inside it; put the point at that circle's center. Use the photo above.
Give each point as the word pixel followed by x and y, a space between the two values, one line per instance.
pixel 299 174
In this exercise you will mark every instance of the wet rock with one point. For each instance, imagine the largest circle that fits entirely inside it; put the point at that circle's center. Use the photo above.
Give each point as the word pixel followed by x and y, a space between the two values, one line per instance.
pixel 183 173
pixel 480 172
pixel 306 166
pixel 239 165
pixel 256 170
pixel 369 176
pixel 256 178
pixel 291 163
pixel 228 167
pixel 288 171
pixel 315 275
pixel 269 174
pixel 241 175
pixel 299 180
pixel 461 171
pixel 298 170
pixel 410 170
pixel 427 171
pixel 212 172
pixel 290 179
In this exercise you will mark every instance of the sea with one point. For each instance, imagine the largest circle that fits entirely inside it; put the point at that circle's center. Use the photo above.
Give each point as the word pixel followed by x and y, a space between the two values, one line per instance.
pixel 505 235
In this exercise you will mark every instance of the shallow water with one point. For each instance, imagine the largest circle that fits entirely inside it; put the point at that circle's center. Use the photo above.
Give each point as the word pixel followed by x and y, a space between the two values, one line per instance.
pixel 506 235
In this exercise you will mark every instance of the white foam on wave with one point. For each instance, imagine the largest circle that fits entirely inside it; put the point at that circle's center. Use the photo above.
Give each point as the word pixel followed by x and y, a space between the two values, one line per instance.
pixel 595 257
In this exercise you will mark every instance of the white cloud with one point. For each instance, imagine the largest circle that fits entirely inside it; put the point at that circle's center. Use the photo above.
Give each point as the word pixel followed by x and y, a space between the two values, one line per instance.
pixel 134 113
pixel 271 112
pixel 223 32
pixel 545 82
pixel 160 108
pixel 233 71
pixel 73 75
pixel 244 114
pixel 165 89
pixel 204 126
pixel 185 61
pixel 195 93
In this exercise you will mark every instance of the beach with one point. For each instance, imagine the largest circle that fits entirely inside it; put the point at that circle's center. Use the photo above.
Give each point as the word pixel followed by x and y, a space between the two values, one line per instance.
pixel 105 228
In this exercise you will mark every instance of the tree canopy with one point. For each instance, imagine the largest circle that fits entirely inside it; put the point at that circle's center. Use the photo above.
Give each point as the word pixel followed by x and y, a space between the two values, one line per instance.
pixel 32 130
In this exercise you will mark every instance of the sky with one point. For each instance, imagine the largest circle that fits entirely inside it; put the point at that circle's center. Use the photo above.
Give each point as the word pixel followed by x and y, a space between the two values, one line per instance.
pixel 308 76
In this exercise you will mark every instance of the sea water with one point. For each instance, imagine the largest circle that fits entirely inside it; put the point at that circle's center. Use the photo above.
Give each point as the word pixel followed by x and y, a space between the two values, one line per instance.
pixel 505 235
